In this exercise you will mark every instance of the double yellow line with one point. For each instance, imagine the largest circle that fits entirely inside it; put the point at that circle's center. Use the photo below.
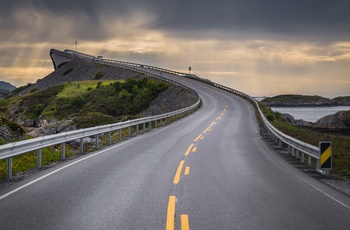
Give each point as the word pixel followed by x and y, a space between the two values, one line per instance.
pixel 170 221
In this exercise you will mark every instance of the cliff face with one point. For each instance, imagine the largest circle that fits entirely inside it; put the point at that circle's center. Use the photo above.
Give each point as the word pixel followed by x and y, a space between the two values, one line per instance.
pixel 291 100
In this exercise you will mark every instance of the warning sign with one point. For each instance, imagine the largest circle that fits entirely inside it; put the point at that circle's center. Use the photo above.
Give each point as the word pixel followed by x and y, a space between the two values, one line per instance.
pixel 326 155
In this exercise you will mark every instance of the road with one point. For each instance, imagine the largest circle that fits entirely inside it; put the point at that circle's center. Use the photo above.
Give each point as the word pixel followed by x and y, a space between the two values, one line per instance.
pixel 210 170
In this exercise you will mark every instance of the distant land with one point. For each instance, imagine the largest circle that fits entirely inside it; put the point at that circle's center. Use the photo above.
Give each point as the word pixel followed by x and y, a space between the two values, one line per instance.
pixel 7 86
pixel 6 89
pixel 292 100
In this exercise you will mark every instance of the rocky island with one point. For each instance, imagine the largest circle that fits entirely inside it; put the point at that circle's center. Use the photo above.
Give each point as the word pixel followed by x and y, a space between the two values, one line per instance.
pixel 292 100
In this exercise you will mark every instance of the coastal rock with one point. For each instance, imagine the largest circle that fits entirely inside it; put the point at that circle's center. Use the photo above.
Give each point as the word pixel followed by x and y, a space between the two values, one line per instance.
pixel 289 119
pixel 337 121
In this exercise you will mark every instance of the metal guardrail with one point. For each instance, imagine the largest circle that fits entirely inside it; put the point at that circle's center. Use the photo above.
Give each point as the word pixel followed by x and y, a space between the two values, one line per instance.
pixel 295 146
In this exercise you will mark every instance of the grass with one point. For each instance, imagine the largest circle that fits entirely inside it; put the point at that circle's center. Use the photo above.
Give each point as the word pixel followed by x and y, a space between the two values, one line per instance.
pixel 74 89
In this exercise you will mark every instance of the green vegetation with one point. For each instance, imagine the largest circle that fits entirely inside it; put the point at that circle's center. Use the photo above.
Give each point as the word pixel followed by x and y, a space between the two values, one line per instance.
pixel 98 75
pixel 341 144
pixel 91 103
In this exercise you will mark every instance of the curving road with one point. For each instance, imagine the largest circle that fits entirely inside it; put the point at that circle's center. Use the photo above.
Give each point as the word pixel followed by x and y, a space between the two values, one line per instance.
pixel 210 170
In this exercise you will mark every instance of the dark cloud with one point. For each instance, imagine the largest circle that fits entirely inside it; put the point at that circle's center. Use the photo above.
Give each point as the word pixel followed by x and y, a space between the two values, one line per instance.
pixel 299 19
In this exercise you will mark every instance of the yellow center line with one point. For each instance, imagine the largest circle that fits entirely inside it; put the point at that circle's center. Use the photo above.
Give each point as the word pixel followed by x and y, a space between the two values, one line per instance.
pixel 188 150
pixel 197 138
pixel 194 149
pixel 170 219
pixel 206 130
pixel 202 138
pixel 187 170
pixel 178 172
pixel 184 222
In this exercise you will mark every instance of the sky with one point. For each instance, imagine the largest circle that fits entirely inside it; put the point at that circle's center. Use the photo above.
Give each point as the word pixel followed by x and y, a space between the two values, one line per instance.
pixel 262 48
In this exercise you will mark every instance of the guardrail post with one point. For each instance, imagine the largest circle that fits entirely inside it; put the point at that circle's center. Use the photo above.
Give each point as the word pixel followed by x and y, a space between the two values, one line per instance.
pixel 144 128
pixel 302 157
pixel 297 153
pixel 120 134
pixel 81 146
pixel 318 164
pixel 280 143
pixel 293 151
pixel 309 161
pixel 129 131
pixel 63 151
pixel 289 149
pixel 96 140
pixel 38 159
pixel 109 138
pixel 9 168
pixel 150 125
pixel 137 130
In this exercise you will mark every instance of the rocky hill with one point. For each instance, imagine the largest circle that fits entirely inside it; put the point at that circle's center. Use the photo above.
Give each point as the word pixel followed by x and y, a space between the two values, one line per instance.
pixel 81 94
pixel 291 100
pixel 79 70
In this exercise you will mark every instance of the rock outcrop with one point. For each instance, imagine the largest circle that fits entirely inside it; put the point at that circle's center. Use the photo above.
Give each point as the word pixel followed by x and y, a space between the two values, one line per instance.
pixel 289 119
pixel 339 122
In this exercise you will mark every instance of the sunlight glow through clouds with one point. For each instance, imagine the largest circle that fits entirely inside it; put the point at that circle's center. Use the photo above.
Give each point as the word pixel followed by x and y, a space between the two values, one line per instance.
pixel 278 49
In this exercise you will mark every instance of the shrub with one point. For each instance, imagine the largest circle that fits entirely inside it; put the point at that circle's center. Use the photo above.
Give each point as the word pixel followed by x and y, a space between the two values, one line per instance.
pixel 98 75
pixel 77 102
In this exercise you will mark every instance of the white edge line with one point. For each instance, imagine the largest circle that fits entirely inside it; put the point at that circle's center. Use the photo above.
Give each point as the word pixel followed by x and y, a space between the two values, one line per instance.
pixel 64 167
pixel 325 193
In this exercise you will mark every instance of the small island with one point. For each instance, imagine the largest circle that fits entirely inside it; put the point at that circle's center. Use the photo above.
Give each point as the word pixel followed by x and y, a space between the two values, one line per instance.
pixel 293 100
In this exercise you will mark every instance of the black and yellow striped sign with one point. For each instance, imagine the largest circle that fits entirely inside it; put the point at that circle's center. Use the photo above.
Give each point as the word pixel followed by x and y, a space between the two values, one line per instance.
pixel 326 155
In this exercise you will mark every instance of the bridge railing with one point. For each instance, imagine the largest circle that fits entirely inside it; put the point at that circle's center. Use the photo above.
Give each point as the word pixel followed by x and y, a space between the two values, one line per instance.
pixel 295 146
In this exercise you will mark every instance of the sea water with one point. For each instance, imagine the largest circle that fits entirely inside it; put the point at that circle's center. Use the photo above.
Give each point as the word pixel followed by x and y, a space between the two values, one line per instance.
pixel 311 114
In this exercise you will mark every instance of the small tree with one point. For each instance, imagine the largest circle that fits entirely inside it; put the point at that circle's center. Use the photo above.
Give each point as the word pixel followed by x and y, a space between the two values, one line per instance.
pixel 98 75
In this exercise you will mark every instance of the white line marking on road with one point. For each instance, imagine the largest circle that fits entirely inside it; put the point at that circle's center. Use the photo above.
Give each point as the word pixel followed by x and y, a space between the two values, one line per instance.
pixel 64 167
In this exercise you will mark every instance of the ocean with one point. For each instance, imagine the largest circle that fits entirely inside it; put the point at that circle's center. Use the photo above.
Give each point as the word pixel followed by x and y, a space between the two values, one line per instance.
pixel 311 114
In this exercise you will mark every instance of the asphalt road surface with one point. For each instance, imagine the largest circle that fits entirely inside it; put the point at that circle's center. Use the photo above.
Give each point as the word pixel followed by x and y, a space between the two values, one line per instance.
pixel 210 170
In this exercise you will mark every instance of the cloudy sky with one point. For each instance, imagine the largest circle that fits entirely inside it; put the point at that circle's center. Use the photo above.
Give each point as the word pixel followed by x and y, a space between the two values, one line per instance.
pixel 260 47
